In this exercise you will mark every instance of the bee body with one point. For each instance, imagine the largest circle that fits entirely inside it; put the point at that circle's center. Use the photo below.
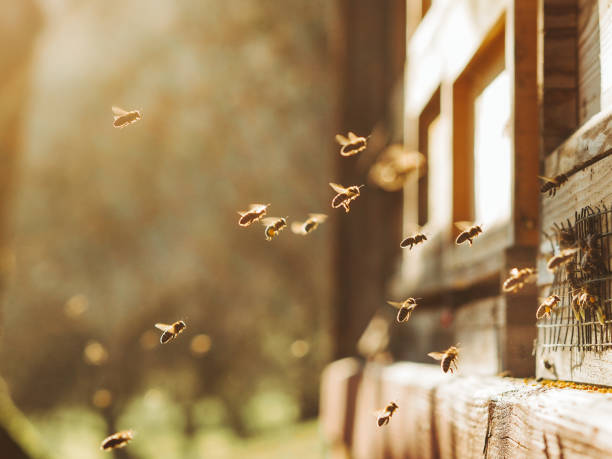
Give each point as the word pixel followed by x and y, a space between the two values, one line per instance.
pixel 552 184
pixel 468 232
pixel 255 213
pixel 123 118
pixel 274 226
pixel 352 145
pixel 309 225
pixel 448 358
pixel 170 332
pixel 386 414
pixel 547 306
pixel 117 440
pixel 405 308
pixel 344 195
pixel 413 240
pixel 518 278
pixel 562 258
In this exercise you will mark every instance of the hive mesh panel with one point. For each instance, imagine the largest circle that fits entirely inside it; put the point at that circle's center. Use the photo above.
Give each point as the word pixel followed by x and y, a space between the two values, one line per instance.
pixel 574 324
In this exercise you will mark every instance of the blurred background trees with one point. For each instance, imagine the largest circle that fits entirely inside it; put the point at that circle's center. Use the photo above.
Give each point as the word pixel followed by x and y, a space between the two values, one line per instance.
pixel 114 230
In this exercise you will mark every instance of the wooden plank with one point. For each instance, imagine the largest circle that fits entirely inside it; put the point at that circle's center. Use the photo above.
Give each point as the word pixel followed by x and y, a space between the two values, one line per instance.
pixel 339 384
pixel 589 70
pixel 521 63
pixel 605 42
pixel 557 69
pixel 464 416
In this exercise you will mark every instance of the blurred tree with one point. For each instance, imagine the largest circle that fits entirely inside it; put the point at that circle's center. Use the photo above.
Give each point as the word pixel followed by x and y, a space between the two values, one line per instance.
pixel 119 229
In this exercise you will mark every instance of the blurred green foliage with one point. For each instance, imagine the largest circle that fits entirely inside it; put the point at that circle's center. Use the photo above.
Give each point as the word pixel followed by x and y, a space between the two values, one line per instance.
pixel 115 230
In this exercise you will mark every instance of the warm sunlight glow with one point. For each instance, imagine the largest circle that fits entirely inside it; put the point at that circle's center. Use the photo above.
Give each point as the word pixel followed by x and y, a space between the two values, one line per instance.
pixel 492 160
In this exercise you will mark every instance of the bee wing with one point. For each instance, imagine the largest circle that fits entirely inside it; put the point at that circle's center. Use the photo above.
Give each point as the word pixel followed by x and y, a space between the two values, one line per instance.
pixel 318 217
pixel 119 111
pixel 514 272
pixel 436 355
pixel 268 220
pixel 258 206
pixel 341 139
pixel 298 227
pixel 352 136
pixel 463 225
pixel 163 327
pixel 337 188
pixel 548 179
pixel 395 304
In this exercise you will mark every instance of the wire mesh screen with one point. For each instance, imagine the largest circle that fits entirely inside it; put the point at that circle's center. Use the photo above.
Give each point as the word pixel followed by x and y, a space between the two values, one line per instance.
pixel 582 318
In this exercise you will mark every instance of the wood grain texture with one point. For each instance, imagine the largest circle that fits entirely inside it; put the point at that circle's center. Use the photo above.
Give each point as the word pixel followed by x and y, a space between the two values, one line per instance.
pixel 557 68
pixel 463 417
pixel 589 69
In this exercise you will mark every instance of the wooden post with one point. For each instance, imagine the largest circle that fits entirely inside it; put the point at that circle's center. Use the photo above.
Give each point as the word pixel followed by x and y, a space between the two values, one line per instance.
pixel 369 53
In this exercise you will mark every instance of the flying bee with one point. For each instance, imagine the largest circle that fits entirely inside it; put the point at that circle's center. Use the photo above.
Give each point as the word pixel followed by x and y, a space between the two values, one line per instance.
pixel 345 195
pixel 547 306
pixel 468 232
pixel 122 118
pixel 253 214
pixel 353 145
pixel 551 184
pixel 413 240
pixel 171 331
pixel 518 278
pixel 562 258
pixel 385 414
pixel 274 225
pixel 309 225
pixel 405 308
pixel 448 358
pixel 117 440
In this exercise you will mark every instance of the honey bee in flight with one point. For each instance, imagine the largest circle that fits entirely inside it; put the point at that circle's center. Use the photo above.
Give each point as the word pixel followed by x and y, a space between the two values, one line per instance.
pixel 468 232
pixel 253 214
pixel 448 358
pixel 518 278
pixel 171 331
pixel 405 308
pixel 122 118
pixel 117 440
pixel 413 240
pixel 274 225
pixel 353 145
pixel 309 225
pixel 562 258
pixel 547 306
pixel 551 184
pixel 385 414
pixel 345 195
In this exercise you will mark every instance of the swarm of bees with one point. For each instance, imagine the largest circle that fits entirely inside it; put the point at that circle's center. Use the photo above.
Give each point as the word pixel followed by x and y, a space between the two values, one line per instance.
pixel 117 440
pixel 405 308
pixel 170 332
pixel 448 358
pixel 518 278
pixel 386 413
pixel 352 145
pixel 413 240
pixel 344 195
pixel 552 184
pixel 468 232
pixel 311 224
pixel 122 118
pixel 547 306
pixel 593 263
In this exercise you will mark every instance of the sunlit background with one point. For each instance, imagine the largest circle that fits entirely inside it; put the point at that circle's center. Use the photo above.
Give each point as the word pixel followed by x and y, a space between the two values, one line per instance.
pixel 114 230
